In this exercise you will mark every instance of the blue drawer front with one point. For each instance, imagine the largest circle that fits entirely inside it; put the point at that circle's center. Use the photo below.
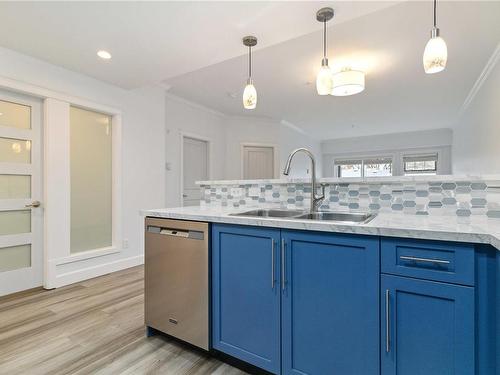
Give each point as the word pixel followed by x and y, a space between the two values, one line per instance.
pixel 431 260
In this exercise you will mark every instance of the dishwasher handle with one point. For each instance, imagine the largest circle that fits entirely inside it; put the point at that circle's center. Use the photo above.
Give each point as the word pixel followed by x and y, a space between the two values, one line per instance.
pixel 183 233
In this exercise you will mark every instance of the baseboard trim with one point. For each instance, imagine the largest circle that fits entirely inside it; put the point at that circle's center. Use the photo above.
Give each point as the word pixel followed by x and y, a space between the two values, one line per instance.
pixel 94 271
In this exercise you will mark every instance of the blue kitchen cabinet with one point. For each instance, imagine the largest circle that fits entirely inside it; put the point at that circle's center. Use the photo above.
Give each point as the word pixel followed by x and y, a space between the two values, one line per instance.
pixel 330 304
pixel 427 327
pixel 246 294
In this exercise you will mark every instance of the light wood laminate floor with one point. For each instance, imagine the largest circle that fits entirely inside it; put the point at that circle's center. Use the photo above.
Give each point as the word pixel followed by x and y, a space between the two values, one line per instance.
pixel 92 327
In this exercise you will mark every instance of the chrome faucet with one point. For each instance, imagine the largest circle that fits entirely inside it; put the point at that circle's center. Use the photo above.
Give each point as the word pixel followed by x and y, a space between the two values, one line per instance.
pixel 315 200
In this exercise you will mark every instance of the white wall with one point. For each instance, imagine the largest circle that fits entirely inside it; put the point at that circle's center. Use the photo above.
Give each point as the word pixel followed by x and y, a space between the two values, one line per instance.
pixel 143 129
pixel 226 134
pixel 254 130
pixel 183 117
pixel 394 145
pixel 476 135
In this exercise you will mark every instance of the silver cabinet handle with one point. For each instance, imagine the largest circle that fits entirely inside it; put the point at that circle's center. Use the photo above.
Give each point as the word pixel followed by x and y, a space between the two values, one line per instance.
pixel 426 260
pixel 33 204
pixel 283 264
pixel 387 322
pixel 272 264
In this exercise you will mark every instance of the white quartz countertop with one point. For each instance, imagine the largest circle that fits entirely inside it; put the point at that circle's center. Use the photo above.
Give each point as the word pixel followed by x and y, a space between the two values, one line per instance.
pixel 473 229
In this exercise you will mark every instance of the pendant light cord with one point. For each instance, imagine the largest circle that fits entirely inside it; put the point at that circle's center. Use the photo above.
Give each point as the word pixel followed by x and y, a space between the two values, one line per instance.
pixel 249 62
pixel 324 39
pixel 435 6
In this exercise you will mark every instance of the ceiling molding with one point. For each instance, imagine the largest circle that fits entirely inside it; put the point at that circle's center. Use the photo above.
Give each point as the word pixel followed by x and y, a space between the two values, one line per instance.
pixel 493 60
pixel 194 105
pixel 293 126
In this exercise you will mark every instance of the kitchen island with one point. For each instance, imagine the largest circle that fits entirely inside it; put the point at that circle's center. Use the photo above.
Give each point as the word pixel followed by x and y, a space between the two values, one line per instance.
pixel 400 294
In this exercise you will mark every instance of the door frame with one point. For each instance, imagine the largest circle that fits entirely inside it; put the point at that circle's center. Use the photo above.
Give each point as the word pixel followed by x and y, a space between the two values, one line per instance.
pixel 198 137
pixel 56 247
pixel 276 156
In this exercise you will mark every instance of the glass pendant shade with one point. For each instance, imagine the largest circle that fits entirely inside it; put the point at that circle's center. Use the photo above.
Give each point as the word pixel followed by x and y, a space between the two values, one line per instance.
pixel 324 80
pixel 348 82
pixel 249 96
pixel 435 55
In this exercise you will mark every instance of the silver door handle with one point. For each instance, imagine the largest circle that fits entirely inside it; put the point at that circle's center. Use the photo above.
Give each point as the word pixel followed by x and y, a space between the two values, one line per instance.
pixel 387 322
pixel 283 264
pixel 426 260
pixel 272 264
pixel 33 204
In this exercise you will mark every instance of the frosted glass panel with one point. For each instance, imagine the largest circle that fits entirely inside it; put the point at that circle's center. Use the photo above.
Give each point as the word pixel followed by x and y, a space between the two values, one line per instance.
pixel 15 257
pixel 15 222
pixel 91 180
pixel 15 115
pixel 15 186
pixel 15 150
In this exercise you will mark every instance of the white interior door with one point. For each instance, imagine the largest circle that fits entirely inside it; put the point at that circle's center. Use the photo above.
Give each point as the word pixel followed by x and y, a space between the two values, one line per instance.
pixel 21 253
pixel 258 162
pixel 195 168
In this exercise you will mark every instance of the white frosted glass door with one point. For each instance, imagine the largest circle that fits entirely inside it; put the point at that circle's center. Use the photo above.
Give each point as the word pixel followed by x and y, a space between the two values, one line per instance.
pixel 91 180
pixel 21 214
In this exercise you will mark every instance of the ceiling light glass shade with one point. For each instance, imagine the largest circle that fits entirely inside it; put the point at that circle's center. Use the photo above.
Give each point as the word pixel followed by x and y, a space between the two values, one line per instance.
pixel 435 55
pixel 324 80
pixel 348 82
pixel 249 96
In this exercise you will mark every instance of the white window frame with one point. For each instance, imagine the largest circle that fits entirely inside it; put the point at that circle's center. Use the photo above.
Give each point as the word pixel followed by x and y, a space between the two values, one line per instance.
pixel 362 158
pixel 422 156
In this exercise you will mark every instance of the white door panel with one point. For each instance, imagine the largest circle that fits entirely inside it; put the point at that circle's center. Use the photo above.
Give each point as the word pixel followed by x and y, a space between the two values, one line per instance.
pixel 21 257
pixel 195 168
pixel 258 162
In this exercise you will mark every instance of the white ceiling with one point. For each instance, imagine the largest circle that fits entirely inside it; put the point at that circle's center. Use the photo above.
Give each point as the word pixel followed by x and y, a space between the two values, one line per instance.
pixel 153 41
pixel 388 45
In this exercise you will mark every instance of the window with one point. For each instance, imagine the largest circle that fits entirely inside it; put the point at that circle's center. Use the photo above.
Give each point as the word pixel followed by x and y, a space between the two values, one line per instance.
pixel 414 165
pixel 349 168
pixel 91 180
pixel 369 167
pixel 377 167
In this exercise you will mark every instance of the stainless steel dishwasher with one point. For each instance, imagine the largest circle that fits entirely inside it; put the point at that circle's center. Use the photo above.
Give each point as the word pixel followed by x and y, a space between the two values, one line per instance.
pixel 176 279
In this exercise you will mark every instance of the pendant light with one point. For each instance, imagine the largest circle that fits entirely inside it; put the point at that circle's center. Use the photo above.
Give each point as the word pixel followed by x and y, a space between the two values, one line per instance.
pixel 324 79
pixel 348 82
pixel 250 94
pixel 436 52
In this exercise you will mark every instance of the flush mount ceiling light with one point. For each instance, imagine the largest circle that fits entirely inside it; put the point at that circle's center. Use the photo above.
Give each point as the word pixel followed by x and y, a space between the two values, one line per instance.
pixel 348 82
pixel 105 55
pixel 250 94
pixel 436 52
pixel 324 79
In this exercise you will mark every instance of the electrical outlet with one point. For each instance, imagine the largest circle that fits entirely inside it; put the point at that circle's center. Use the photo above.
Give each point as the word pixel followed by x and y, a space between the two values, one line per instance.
pixel 253 192
pixel 125 243
pixel 236 192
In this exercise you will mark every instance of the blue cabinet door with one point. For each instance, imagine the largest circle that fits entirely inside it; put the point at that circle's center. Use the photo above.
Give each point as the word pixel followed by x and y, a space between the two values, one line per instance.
pixel 246 294
pixel 427 327
pixel 330 304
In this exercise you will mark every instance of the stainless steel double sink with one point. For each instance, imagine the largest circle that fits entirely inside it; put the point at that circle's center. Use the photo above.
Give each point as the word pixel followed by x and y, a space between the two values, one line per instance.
pixel 342 217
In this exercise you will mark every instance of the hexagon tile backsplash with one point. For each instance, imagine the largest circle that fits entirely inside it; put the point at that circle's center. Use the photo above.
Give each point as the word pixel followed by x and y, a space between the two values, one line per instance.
pixel 461 198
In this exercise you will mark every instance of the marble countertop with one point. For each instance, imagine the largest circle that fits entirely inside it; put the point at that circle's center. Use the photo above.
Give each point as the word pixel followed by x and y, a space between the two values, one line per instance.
pixel 471 229
pixel 355 180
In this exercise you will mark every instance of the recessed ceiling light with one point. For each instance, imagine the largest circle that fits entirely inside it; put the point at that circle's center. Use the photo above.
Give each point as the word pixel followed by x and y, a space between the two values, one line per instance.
pixel 1 114
pixel 104 54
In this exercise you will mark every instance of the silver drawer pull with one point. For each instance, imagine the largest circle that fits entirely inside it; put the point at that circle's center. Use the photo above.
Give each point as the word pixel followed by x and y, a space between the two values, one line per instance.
pixel 426 260
pixel 272 264
pixel 387 322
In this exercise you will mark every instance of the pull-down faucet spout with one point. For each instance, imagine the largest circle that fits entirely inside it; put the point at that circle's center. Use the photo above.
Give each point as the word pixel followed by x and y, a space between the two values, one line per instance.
pixel 315 200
